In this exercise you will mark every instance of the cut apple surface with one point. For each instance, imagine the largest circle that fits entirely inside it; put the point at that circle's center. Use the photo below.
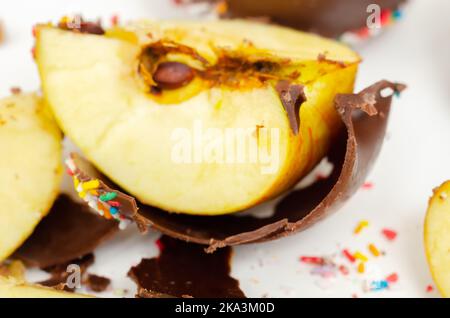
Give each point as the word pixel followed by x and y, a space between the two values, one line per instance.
pixel 437 237
pixel 12 288
pixel 30 168
pixel 199 118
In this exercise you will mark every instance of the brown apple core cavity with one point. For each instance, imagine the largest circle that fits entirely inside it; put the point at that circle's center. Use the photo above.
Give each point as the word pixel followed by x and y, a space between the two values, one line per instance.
pixel 232 71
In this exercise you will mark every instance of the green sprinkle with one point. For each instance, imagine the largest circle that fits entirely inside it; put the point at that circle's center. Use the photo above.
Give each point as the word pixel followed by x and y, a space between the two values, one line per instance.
pixel 108 196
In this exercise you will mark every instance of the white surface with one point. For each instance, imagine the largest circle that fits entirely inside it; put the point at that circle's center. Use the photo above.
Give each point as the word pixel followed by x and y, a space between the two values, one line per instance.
pixel 415 157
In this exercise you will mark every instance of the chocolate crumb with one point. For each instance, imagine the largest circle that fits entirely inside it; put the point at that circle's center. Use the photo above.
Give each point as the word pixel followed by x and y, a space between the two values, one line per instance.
pixel 97 283
pixel 15 90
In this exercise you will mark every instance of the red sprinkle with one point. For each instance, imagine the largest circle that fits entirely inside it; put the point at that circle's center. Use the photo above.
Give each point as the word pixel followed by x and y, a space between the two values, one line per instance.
pixel 343 269
pixel 33 31
pixel 69 172
pixel 114 203
pixel 429 289
pixel 160 245
pixel 367 185
pixel 393 278
pixel 348 255
pixel 389 234
pixel 115 20
pixel 312 260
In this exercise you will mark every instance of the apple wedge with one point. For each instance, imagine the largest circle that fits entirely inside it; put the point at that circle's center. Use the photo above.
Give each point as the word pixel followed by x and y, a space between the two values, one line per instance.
pixel 437 238
pixel 199 118
pixel 12 288
pixel 30 168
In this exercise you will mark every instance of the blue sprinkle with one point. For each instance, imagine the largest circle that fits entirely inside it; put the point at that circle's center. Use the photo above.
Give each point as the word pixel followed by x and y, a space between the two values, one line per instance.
pixel 397 14
pixel 379 285
pixel 397 94
pixel 113 210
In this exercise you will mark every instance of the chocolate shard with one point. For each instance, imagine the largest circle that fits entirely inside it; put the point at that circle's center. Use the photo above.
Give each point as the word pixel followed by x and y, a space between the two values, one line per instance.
pixel 184 270
pixel 70 231
pixel 292 97
pixel 97 283
pixel 365 117
pixel 59 273
pixel 326 17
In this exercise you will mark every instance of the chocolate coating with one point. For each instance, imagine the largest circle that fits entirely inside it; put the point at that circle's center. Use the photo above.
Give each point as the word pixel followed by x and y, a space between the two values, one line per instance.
pixel 70 231
pixel 365 117
pixel 326 17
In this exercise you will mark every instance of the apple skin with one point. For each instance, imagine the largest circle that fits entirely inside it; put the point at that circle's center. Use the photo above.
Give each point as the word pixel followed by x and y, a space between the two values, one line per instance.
pixel 437 238
pixel 30 169
pixel 92 85
pixel 13 288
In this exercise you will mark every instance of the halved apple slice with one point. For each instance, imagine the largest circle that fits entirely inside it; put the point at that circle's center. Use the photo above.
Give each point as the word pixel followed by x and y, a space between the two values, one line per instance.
pixel 437 237
pixel 199 118
pixel 30 168
pixel 12 288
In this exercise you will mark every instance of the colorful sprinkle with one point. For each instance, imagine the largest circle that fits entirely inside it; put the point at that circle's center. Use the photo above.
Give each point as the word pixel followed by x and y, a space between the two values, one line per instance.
pixel 312 260
pixel 114 203
pixel 344 270
pixel 361 256
pixel 348 255
pixel 115 20
pixel 108 196
pixel 374 250
pixel 389 234
pixel 361 225
pixel 429 289
pixel 368 185
pixel 361 268
pixel 392 278
pixel 113 210
pixel 160 245
pixel 90 185
pixel 379 285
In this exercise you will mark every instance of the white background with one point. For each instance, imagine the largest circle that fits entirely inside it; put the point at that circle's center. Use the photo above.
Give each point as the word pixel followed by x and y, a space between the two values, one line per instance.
pixel 414 160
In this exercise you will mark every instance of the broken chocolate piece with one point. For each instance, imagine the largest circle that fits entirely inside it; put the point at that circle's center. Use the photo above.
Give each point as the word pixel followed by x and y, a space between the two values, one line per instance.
pixel 365 116
pixel 184 270
pixel 326 17
pixel 60 273
pixel 292 97
pixel 97 283
pixel 68 232
pixel 172 75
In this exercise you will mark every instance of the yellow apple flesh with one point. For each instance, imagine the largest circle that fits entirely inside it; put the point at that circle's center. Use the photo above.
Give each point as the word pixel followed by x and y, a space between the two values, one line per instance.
pixel 437 238
pixel 12 288
pixel 102 102
pixel 30 168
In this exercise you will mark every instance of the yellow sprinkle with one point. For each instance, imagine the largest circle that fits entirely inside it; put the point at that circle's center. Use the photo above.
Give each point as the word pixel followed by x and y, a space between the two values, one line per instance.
pixel 91 185
pixel 374 250
pixel 82 194
pixel 361 268
pixel 94 192
pixel 360 256
pixel 221 7
pixel 360 226
pixel 76 183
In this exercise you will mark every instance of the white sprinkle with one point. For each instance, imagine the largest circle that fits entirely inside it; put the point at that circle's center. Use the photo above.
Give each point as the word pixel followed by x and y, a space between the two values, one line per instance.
pixel 70 164
pixel 124 224
pixel 386 92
